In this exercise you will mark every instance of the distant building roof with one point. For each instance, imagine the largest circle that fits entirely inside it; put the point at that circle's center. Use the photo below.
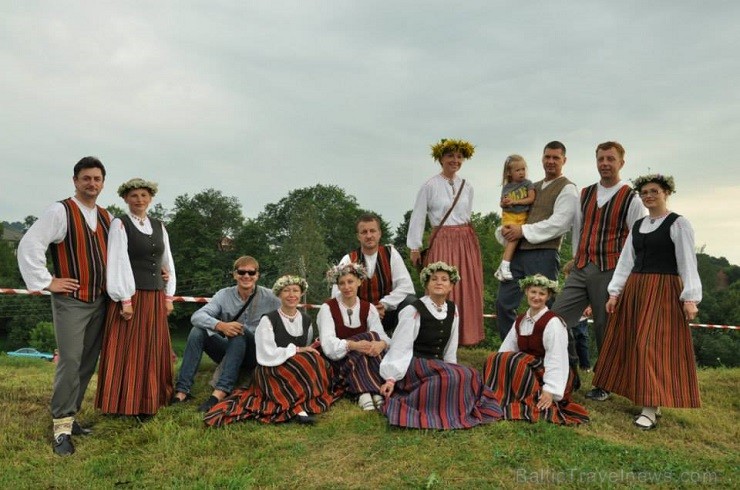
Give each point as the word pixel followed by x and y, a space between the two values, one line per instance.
pixel 11 235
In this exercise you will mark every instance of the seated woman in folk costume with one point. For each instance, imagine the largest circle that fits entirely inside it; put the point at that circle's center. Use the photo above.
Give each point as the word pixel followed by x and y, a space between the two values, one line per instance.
pixel 292 379
pixel 352 336
pixel 425 388
pixel 530 374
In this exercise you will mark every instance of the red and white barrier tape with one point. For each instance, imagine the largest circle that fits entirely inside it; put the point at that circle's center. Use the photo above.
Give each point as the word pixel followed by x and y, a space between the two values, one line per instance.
pixel 203 299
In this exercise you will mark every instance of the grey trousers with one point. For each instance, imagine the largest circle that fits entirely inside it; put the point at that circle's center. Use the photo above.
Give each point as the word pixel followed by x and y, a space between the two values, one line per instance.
pixel 78 327
pixel 585 287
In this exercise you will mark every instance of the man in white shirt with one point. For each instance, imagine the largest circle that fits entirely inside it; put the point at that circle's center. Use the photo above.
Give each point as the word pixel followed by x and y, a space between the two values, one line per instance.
pixel 549 218
pixel 603 218
pixel 76 231
pixel 389 285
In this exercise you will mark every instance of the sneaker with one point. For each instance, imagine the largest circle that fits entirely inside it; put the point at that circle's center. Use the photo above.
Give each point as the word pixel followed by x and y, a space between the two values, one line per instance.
pixel 208 404
pixel 366 402
pixel 378 401
pixel 597 394
pixel 503 275
pixel 78 430
pixel 63 445
pixel 499 275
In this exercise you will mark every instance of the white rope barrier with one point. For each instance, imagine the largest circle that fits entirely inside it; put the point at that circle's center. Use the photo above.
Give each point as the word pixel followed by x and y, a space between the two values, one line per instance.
pixel 205 299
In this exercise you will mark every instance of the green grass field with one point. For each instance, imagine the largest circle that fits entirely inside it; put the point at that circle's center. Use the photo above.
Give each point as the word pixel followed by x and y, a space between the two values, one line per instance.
pixel 349 448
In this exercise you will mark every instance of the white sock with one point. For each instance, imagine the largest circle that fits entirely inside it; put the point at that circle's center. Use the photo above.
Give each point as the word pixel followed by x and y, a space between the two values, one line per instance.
pixel 302 413
pixel 63 426
pixel 649 412
pixel 505 266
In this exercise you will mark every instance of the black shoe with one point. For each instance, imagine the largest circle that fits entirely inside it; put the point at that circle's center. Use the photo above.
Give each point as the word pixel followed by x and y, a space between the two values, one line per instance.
pixel 597 394
pixel 187 398
pixel 305 419
pixel 78 430
pixel 208 404
pixel 63 445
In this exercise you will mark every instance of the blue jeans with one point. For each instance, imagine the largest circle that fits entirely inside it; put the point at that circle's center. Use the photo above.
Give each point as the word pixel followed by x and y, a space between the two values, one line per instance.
pixel 525 263
pixel 231 351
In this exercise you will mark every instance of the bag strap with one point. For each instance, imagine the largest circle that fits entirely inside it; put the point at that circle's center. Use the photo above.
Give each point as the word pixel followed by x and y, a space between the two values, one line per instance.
pixel 241 310
pixel 447 214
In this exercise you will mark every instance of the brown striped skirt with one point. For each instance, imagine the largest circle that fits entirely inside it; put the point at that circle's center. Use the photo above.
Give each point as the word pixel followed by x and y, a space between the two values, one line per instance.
pixel 279 393
pixel 135 372
pixel 438 395
pixel 458 245
pixel 648 353
pixel 516 381
pixel 357 373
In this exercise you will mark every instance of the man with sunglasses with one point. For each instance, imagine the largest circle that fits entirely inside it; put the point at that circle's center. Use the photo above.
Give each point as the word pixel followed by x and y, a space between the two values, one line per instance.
pixel 224 330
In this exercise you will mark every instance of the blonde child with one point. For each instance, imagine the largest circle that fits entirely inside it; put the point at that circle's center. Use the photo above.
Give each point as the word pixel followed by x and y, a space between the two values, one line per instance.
pixel 516 196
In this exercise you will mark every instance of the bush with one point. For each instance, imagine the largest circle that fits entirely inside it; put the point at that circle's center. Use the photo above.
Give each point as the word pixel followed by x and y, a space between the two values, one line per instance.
pixel 19 331
pixel 42 337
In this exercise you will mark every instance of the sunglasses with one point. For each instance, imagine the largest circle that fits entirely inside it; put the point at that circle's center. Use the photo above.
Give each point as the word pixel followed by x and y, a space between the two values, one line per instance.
pixel 241 272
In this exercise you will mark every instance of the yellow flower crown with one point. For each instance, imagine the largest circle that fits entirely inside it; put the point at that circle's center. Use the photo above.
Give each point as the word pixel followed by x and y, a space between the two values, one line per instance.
pixel 445 146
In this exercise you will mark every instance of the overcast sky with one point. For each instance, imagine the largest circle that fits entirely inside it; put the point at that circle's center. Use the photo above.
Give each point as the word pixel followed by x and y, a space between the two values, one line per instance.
pixel 258 98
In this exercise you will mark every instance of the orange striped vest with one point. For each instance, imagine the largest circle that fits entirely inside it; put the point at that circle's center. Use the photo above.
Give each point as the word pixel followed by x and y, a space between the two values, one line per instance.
pixel 82 253
pixel 380 285
pixel 604 229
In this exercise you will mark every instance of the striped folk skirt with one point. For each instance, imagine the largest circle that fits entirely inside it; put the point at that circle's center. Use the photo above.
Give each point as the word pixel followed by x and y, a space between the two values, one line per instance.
pixel 135 373
pixel 648 353
pixel 458 246
pixel 516 381
pixel 279 393
pixel 439 395
pixel 357 373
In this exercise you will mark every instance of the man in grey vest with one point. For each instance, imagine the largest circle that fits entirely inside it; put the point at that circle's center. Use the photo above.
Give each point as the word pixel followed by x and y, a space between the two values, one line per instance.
pixel 550 217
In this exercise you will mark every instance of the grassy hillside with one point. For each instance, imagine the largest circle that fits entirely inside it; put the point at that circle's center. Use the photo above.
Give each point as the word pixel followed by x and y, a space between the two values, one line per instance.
pixel 349 448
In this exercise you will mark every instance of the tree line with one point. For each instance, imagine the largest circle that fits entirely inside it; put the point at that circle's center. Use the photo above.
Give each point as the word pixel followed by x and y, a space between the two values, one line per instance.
pixel 307 231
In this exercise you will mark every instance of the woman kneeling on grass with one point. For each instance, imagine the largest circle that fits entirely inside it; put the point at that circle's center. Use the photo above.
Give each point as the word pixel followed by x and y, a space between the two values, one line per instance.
pixel 530 374
pixel 352 337
pixel 425 388
pixel 292 380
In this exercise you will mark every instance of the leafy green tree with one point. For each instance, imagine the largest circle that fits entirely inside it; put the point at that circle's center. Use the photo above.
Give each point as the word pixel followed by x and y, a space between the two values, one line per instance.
pixel 305 253
pixel 491 251
pixel 159 212
pixel 42 337
pixel 10 276
pixel 336 213
pixel 201 234
pixel 28 221
pixel 115 210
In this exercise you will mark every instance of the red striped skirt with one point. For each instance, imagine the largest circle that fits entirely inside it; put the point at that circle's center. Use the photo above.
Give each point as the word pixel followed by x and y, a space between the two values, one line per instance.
pixel 648 353
pixel 438 395
pixel 458 246
pixel 279 393
pixel 357 373
pixel 516 381
pixel 135 372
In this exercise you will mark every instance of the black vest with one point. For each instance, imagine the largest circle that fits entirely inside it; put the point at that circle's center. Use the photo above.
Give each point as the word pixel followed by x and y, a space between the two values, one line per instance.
pixel 433 334
pixel 655 252
pixel 145 253
pixel 282 337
